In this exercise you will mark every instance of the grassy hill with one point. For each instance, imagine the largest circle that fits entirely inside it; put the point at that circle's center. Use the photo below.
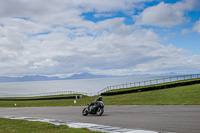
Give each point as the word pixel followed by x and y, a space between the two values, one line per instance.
pixel 185 95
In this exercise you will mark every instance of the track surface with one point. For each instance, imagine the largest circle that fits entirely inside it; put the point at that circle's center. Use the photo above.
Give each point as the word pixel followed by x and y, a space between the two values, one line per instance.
pixel 180 119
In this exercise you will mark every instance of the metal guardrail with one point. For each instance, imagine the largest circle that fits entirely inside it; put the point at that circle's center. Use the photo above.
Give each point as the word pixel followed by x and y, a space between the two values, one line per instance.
pixel 149 82
pixel 46 94
pixel 121 86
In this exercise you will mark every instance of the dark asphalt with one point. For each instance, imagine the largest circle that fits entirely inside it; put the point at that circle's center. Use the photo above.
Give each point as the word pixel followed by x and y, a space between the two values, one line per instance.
pixel 180 119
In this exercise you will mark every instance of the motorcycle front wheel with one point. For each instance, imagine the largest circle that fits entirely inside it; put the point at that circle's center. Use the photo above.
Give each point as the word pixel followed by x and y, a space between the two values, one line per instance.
pixel 85 112
pixel 100 111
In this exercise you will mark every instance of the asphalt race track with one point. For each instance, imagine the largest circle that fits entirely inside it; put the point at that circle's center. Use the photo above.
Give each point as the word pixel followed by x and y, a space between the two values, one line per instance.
pixel 180 119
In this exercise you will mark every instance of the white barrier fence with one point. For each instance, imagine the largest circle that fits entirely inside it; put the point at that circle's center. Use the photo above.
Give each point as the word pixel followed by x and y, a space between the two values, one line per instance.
pixel 150 82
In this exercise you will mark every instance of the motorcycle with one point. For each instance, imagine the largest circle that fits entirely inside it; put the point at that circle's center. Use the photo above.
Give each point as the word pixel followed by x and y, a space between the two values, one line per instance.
pixel 96 109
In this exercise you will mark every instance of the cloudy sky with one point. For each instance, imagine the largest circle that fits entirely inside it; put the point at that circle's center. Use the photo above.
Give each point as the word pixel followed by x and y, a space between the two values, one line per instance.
pixel 115 37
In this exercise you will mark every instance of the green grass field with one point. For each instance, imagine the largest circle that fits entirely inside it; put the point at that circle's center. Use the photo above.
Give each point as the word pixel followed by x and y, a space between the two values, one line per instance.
pixel 185 95
pixel 24 126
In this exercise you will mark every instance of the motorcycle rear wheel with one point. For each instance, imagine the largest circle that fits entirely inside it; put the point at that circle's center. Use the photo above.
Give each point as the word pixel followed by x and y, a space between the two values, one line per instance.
pixel 85 112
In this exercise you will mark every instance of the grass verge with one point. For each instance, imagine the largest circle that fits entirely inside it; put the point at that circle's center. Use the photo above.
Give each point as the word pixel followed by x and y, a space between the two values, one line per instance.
pixel 48 103
pixel 24 126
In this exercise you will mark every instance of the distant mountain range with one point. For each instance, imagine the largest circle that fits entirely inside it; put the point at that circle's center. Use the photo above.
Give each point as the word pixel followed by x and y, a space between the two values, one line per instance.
pixel 45 78
pixel 88 76
pixel 27 78
pixel 75 76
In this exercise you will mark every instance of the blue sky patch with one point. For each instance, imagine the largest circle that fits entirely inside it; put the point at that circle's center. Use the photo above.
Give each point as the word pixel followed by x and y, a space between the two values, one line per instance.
pixel 96 17
pixel 38 34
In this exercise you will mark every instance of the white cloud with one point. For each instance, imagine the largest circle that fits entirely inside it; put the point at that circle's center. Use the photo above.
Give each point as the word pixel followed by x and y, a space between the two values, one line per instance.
pixel 44 63
pixel 197 27
pixel 185 31
pixel 166 15
pixel 52 38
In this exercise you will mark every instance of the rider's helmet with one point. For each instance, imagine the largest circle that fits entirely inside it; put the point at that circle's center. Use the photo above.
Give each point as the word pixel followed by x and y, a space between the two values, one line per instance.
pixel 100 98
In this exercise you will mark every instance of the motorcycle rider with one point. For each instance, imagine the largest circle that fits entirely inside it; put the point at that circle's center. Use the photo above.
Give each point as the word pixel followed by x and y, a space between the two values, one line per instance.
pixel 94 104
